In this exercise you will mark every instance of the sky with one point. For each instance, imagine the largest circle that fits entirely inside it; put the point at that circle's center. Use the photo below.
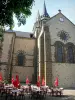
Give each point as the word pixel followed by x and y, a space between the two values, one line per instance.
pixel 67 7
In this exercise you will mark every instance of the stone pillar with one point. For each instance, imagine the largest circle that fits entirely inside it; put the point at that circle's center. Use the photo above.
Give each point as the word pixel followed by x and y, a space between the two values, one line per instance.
pixel 41 56
pixel 47 56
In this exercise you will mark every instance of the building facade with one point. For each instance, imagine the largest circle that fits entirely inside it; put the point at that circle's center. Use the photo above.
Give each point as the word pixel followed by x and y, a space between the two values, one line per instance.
pixel 49 52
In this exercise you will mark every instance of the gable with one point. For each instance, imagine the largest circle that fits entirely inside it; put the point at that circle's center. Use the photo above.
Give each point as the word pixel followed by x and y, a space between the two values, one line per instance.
pixel 60 23
pixel 58 16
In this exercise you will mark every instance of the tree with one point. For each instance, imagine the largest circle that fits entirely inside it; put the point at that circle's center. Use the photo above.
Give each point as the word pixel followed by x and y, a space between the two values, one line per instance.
pixel 20 8
pixel 1 34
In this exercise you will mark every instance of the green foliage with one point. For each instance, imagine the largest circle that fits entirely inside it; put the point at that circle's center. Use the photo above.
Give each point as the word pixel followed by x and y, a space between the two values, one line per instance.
pixel 1 33
pixel 6 82
pixel 21 9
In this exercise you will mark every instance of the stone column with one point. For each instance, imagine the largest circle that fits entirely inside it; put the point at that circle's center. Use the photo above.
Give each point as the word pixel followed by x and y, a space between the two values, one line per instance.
pixel 47 56
pixel 41 56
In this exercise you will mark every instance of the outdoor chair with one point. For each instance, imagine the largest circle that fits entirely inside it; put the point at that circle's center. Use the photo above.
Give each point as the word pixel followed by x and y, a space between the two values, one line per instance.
pixel 56 92
pixel 21 95
pixel 37 95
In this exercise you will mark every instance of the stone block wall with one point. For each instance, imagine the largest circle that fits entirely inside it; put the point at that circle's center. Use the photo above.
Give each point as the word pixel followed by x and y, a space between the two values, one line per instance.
pixel 65 73
pixel 25 45
pixel 6 56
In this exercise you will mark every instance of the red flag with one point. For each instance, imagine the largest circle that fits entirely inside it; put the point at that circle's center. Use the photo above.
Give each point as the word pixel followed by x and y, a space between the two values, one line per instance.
pixel 27 81
pixel 1 79
pixel 56 82
pixel 12 80
pixel 43 82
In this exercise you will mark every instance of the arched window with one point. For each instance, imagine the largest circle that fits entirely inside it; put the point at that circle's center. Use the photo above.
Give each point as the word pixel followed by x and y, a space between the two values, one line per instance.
pixel 59 52
pixel 70 55
pixel 20 59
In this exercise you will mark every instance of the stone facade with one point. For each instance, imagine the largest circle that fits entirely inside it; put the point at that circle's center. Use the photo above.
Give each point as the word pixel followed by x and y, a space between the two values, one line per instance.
pixel 12 46
pixel 25 45
pixel 55 32
pixel 64 71
pixel 48 53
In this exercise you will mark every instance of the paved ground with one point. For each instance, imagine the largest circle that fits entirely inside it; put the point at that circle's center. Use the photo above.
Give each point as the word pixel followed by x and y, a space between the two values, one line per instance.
pixel 67 95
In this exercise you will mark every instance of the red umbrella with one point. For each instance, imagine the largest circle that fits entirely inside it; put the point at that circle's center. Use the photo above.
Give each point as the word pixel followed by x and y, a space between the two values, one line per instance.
pixel 43 82
pixel 15 83
pixel 38 82
pixel 1 79
pixel 27 81
pixel 38 78
pixel 17 79
pixel 56 82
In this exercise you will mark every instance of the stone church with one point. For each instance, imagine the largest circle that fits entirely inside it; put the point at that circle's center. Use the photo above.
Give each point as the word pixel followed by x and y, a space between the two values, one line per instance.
pixel 48 52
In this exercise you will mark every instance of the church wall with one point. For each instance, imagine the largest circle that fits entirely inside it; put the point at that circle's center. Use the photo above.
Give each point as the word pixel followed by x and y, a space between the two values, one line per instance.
pixel 5 60
pixel 23 72
pixel 55 25
pixel 6 46
pixel 25 45
pixel 64 71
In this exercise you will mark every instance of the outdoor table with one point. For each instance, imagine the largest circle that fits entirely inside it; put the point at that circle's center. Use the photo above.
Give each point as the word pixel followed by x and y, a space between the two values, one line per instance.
pixel 37 93
pixel 44 88
pixel 18 93
pixel 56 91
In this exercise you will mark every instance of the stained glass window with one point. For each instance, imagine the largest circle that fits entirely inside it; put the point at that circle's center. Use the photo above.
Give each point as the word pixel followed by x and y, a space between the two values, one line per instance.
pixel 59 53
pixel 70 54
pixel 20 59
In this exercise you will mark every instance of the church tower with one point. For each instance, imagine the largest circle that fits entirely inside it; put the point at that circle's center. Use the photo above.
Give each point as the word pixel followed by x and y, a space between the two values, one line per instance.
pixel 45 16
pixel 37 25
pixel 40 21
pixel 41 41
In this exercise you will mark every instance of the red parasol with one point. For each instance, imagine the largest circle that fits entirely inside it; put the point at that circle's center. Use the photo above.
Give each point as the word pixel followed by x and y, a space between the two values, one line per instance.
pixel 38 78
pixel 27 81
pixel 38 82
pixel 56 82
pixel 1 79
pixel 17 79
pixel 15 83
pixel 43 82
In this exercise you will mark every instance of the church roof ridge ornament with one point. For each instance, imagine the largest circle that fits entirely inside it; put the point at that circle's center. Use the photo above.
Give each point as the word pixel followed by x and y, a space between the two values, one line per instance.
pixel 59 11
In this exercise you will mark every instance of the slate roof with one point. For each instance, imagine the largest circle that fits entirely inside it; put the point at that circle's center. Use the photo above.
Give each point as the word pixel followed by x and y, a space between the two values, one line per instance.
pixel 20 34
